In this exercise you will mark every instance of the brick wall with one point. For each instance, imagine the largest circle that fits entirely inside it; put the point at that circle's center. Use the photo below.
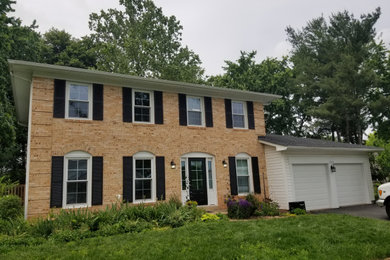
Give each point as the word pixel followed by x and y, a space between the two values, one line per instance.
pixel 113 139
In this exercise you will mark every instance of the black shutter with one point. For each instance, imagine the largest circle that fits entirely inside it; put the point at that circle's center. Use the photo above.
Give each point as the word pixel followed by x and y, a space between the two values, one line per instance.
pixel 233 176
pixel 256 175
pixel 182 109
pixel 160 175
pixel 97 180
pixel 97 102
pixel 59 98
pixel 228 113
pixel 126 105
pixel 128 179
pixel 158 108
pixel 251 116
pixel 57 176
pixel 208 106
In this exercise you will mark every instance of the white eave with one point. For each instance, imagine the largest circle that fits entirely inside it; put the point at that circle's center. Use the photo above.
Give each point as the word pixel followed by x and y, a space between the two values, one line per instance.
pixel 23 71
pixel 280 148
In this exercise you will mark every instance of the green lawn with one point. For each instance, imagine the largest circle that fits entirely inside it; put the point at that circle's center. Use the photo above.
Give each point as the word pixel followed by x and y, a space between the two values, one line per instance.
pixel 301 237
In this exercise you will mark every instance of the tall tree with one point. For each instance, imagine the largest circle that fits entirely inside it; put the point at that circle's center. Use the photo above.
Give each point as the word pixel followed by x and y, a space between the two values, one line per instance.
pixel 60 48
pixel 17 42
pixel 333 64
pixel 269 76
pixel 142 41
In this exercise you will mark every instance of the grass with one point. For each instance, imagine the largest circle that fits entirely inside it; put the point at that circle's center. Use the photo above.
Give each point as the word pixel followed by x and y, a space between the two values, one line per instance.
pixel 301 237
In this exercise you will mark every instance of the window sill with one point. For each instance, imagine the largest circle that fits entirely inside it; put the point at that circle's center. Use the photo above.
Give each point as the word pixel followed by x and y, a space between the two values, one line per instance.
pixel 241 129
pixel 75 206
pixel 142 124
pixel 144 201
pixel 196 127
pixel 84 121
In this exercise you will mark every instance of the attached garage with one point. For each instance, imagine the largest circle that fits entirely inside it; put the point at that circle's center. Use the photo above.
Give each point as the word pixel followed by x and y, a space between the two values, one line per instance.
pixel 323 174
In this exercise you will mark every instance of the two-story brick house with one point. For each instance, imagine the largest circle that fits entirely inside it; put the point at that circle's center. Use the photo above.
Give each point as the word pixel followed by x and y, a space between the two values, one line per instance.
pixel 95 138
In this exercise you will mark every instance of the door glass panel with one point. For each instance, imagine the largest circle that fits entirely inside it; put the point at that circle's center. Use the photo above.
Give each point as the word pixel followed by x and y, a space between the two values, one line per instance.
pixel 196 175
pixel 210 174
pixel 143 179
pixel 183 175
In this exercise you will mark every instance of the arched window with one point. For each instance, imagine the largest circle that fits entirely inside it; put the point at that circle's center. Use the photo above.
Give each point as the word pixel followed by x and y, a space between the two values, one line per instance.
pixel 77 179
pixel 244 174
pixel 144 175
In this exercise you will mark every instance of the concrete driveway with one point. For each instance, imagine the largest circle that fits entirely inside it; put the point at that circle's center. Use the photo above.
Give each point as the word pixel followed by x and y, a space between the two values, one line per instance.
pixel 368 211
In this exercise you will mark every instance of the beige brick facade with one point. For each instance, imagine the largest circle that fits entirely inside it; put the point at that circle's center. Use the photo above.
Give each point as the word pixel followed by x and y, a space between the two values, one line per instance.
pixel 113 139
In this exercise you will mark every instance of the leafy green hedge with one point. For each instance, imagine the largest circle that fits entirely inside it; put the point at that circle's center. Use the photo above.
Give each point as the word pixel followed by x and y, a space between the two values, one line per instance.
pixel 82 223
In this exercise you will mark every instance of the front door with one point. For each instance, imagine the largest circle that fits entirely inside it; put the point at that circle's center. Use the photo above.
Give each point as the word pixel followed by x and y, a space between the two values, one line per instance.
pixel 197 178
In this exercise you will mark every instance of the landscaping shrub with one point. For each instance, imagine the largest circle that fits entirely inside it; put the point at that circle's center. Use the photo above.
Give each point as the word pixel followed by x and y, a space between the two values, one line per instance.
pixel 10 207
pixel 71 225
pixel 298 211
pixel 191 203
pixel 268 208
pixel 254 201
pixel 209 217
pixel 240 209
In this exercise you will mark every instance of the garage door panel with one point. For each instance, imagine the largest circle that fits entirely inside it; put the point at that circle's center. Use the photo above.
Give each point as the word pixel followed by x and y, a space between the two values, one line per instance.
pixel 350 184
pixel 311 185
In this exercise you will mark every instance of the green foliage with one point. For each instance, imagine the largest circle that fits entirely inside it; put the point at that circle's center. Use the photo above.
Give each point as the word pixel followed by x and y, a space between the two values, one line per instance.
pixel 10 207
pixel 270 76
pixel 379 162
pixel 142 41
pixel 241 209
pixel 70 225
pixel 335 64
pixel 298 211
pixel 60 48
pixel 192 203
pixel 254 201
pixel 209 217
pixel 268 208
pixel 5 185
pixel 305 237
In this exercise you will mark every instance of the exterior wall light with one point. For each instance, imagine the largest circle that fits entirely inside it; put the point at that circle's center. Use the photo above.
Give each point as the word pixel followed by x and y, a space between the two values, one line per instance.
pixel 224 163
pixel 332 167
pixel 173 165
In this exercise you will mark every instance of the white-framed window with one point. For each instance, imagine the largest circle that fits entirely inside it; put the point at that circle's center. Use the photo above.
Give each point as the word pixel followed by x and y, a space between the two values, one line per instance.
pixel 143 106
pixel 244 174
pixel 77 184
pixel 144 185
pixel 239 117
pixel 195 111
pixel 78 104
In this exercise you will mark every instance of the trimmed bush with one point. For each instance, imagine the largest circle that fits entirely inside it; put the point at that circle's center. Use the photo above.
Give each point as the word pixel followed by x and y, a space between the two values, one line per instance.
pixel 10 207
pixel 240 209
pixel 268 208
pixel 298 211
pixel 209 217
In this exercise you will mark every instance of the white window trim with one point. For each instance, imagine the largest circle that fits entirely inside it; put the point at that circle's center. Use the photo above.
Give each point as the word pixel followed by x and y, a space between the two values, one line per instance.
pixel 245 115
pixel 78 155
pixel 244 156
pixel 145 156
pixel 202 113
pixel 151 103
pixel 67 95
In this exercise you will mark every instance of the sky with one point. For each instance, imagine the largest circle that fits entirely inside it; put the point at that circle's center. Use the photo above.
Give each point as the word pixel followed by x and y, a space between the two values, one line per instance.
pixel 217 30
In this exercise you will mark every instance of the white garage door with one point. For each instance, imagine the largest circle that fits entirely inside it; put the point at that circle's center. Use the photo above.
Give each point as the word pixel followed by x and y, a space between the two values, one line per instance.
pixel 350 184
pixel 312 185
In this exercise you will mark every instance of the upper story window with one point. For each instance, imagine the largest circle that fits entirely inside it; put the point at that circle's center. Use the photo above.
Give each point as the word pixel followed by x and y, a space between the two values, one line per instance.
pixel 195 111
pixel 143 102
pixel 77 180
pixel 238 114
pixel 78 100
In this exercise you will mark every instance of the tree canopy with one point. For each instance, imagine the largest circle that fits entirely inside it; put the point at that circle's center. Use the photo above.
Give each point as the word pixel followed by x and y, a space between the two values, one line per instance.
pixel 142 41
pixel 335 68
